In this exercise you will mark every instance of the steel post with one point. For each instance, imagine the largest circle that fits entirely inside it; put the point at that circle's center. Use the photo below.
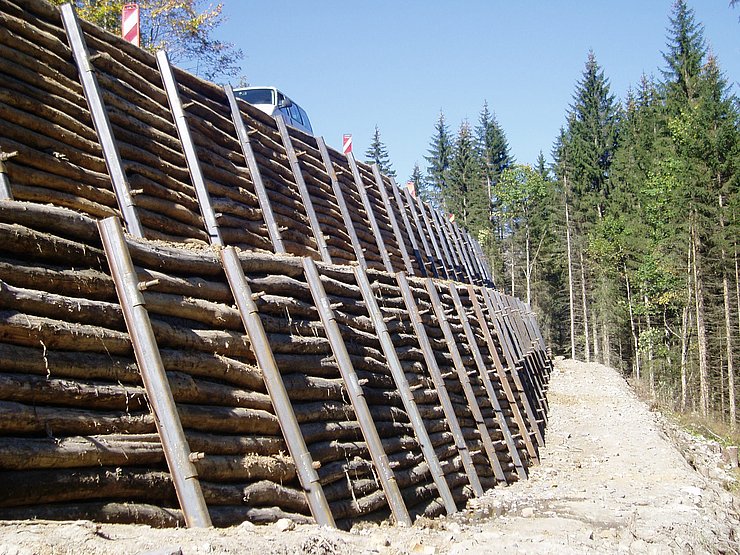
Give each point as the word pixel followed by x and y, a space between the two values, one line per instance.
pixel 407 397
pixel 276 388
pixel 355 393
pixel 175 446
pixel 191 156
pixel 273 230
pixel 100 120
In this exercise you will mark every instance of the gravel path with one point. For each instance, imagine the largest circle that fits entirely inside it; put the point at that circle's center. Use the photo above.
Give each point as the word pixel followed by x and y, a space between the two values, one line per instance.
pixel 610 481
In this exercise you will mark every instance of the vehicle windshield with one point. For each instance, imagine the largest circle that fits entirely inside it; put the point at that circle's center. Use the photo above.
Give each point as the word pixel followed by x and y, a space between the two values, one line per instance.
pixel 256 96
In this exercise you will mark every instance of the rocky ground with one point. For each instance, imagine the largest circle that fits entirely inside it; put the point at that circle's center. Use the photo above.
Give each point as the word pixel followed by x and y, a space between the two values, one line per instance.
pixel 614 477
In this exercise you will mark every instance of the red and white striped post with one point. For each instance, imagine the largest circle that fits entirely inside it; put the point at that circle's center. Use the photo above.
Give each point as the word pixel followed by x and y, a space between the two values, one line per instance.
pixel 346 144
pixel 130 24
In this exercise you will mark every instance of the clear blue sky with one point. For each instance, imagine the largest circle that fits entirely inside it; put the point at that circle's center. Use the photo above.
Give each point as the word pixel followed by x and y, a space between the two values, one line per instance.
pixel 396 63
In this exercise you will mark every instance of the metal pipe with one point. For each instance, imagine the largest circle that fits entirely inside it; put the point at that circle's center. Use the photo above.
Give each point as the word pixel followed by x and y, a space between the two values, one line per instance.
pixel 392 217
pixel 318 235
pixel 407 397
pixel 174 444
pixel 341 202
pixel 263 198
pixel 487 384
pixel 276 388
pixel 462 375
pixel 356 396
pixel 439 383
pixel 191 156
pixel 100 120
pixel 370 214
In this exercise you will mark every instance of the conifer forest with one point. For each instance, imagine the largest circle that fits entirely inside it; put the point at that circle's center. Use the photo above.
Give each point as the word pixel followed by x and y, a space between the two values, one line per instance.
pixel 626 244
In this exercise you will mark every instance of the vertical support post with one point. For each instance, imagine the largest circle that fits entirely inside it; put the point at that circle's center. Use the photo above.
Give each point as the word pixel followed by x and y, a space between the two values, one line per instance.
pixel 263 199
pixel 356 395
pixel 370 214
pixel 439 384
pixel 477 256
pixel 392 217
pixel 501 372
pixel 432 237
pixel 487 384
pixel 422 235
pixel 175 446
pixel 453 267
pixel 341 202
pixel 407 226
pixel 407 397
pixel 473 270
pixel 100 121
pixel 276 388
pixel 508 350
pixel 5 192
pixel 303 190
pixel 191 156
pixel 462 375
pixel 457 250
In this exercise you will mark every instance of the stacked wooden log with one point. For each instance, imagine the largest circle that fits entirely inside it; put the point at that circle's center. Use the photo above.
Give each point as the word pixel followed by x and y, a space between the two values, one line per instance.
pixel 47 123
pixel 77 435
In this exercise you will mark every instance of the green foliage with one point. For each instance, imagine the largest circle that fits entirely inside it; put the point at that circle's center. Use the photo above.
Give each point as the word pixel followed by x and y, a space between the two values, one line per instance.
pixel 377 153
pixel 464 193
pixel 184 28
pixel 438 160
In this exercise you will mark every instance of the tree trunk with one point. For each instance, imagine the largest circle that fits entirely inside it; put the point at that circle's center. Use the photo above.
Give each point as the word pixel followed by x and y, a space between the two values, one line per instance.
pixel 594 331
pixel 571 294
pixel 728 327
pixel 587 340
pixel 528 269
pixel 701 330
pixel 633 329
pixel 685 338
pixel 651 367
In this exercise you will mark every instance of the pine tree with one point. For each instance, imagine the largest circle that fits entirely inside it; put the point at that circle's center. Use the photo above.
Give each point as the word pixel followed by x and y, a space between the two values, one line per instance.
pixel 440 151
pixel 377 153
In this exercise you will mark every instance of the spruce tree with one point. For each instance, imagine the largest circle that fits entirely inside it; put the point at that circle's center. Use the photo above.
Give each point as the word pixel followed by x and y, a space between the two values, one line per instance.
pixel 464 193
pixel 438 160
pixel 492 146
pixel 377 153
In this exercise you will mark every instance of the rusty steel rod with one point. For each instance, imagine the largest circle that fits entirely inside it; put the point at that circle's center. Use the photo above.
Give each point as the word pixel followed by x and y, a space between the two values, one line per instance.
pixel 191 155
pixel 355 393
pixel 439 383
pixel 100 120
pixel 273 230
pixel 276 388
pixel 407 396
pixel 174 444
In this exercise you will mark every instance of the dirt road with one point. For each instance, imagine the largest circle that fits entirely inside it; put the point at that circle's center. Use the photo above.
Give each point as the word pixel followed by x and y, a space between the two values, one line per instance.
pixel 610 481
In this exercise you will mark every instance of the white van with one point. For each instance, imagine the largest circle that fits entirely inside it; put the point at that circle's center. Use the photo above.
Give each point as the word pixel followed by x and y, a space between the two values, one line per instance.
pixel 271 101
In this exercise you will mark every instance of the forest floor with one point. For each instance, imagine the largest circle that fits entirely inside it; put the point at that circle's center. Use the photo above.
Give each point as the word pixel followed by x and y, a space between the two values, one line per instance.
pixel 614 477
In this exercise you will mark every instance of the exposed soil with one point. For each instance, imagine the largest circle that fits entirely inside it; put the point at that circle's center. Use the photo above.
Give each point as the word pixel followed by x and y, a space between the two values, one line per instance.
pixel 612 479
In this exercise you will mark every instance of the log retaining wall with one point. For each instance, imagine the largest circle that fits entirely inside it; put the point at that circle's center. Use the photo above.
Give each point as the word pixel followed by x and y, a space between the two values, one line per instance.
pixel 349 360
